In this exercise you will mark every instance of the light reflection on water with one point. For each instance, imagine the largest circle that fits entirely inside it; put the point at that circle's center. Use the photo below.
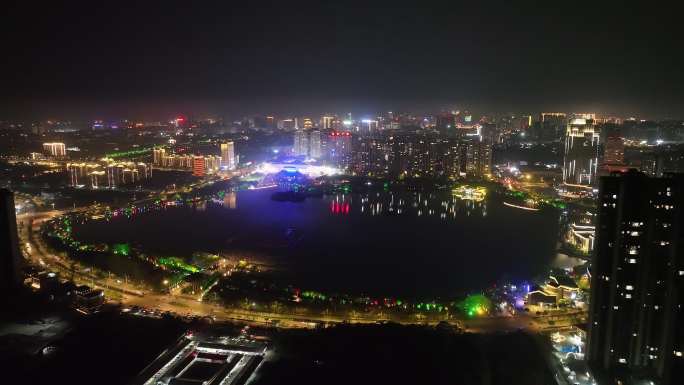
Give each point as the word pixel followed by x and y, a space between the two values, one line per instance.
pixel 417 204
pixel 378 243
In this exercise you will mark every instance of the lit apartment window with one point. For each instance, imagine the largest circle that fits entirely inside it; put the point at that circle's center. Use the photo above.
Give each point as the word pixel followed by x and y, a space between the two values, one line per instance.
pixel 629 287
pixel 622 361
pixel 632 260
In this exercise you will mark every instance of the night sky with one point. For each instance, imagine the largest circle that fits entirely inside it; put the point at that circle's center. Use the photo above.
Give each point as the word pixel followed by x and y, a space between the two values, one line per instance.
pixel 90 59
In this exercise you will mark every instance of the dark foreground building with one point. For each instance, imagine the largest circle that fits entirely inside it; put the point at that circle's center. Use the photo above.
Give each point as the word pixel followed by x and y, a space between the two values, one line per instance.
pixel 10 257
pixel 636 331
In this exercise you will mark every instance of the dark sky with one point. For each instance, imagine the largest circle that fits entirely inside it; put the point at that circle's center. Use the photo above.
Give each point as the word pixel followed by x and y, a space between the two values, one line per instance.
pixel 159 57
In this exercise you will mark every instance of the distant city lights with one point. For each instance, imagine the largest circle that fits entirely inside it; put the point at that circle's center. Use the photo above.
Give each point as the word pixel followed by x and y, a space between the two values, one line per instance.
pixel 310 170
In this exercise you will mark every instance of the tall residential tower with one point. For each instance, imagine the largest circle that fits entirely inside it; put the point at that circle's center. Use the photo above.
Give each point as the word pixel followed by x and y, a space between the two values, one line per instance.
pixel 635 319
pixel 10 255
pixel 301 143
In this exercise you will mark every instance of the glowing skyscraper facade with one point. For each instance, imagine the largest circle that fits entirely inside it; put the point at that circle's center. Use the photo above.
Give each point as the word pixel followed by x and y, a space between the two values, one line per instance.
pixel 581 156
pixel 228 155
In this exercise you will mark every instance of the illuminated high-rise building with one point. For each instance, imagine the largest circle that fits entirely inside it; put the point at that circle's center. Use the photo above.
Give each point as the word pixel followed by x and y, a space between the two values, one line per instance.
pixel 54 149
pixel 129 175
pixel 301 143
pixel 307 123
pixel 368 157
pixel 110 174
pixel 75 177
pixel 144 170
pixel 78 172
pixel 315 144
pixel 580 162
pixel 478 157
pixel 75 174
pixel 369 126
pixel 228 155
pixel 115 175
pixel 637 288
pixel 327 122
pixel 198 166
pixel 339 147
pixel 212 164
pixel 158 155
pixel 209 164
pixel 169 161
pixel 97 179
pixel 10 255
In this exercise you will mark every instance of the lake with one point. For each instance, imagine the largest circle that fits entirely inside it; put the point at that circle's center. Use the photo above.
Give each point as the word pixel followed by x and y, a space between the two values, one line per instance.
pixel 413 245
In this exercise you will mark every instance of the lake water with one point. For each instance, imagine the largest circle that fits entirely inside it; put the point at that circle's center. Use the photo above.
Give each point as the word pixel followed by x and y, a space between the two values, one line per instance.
pixel 394 244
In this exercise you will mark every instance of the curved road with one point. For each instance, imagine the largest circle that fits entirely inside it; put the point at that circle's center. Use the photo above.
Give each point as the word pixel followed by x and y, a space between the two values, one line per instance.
pixel 130 294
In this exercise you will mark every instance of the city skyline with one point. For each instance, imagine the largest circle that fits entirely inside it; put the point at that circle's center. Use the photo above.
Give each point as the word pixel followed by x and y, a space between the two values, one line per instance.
pixel 372 121
pixel 60 111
